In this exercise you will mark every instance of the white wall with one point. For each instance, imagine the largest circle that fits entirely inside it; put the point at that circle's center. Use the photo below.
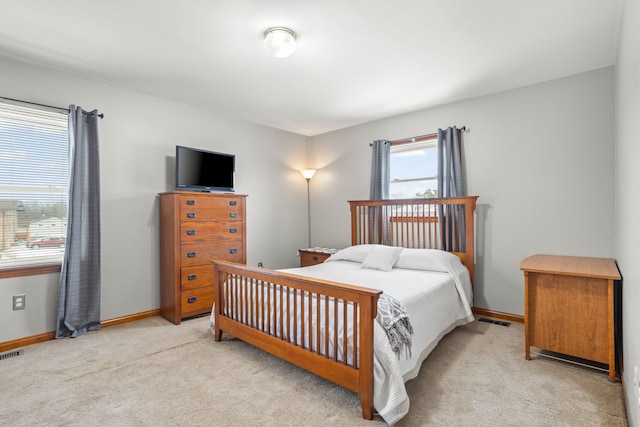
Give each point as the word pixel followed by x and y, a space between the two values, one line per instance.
pixel 627 202
pixel 137 147
pixel 539 157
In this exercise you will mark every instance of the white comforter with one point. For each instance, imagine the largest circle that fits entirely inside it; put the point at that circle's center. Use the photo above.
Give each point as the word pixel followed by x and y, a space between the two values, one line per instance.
pixel 436 302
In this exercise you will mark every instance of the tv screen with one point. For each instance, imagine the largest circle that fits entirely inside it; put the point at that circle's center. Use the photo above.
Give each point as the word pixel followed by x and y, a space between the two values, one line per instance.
pixel 202 170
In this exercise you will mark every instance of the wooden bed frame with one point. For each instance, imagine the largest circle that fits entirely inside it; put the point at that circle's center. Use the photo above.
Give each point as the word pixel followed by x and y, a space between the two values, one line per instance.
pixel 439 223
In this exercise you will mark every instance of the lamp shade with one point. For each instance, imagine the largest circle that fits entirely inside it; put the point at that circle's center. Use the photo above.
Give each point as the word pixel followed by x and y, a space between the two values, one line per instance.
pixel 279 42
pixel 308 173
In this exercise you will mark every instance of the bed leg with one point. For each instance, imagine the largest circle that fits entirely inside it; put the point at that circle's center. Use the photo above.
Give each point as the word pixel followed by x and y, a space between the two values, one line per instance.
pixel 217 334
pixel 367 409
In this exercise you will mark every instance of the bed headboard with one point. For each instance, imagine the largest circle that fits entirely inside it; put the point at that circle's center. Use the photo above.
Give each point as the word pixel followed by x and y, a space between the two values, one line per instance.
pixel 445 223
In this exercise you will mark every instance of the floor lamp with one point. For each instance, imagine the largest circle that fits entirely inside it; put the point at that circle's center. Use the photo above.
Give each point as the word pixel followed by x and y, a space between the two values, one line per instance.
pixel 308 174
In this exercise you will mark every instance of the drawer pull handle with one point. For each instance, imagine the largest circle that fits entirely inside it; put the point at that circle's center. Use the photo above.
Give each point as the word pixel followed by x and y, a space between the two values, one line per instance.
pixel 232 203
pixel 315 257
pixel 191 232
pixel 191 300
pixel 191 254
pixel 233 251
pixel 233 214
pixel 192 276
pixel 233 230
pixel 191 214
pixel 191 202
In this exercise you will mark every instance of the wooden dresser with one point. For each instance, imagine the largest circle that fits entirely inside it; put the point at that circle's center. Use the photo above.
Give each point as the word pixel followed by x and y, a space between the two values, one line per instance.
pixel 569 306
pixel 196 228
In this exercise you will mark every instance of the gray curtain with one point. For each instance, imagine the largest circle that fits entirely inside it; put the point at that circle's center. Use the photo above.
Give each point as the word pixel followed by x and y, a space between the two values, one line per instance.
pixel 379 189
pixel 452 226
pixel 449 163
pixel 381 152
pixel 79 292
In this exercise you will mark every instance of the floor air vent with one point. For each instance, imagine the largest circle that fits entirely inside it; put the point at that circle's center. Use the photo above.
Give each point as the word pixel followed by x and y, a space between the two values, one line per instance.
pixel 11 354
pixel 496 322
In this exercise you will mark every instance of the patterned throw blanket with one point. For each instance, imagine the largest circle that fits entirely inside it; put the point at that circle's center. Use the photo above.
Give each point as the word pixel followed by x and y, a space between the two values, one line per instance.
pixel 394 319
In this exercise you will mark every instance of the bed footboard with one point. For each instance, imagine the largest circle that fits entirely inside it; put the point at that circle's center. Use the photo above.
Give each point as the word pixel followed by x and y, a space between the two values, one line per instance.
pixel 321 326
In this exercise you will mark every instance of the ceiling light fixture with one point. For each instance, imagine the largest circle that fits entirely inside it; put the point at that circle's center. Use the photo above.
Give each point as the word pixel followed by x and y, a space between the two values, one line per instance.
pixel 279 42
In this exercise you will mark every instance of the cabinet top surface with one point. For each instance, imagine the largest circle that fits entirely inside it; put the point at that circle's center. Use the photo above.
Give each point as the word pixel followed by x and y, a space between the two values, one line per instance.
pixel 328 251
pixel 604 268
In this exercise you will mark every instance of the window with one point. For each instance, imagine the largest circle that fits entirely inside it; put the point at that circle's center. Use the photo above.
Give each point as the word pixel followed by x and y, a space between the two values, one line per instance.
pixel 34 175
pixel 414 168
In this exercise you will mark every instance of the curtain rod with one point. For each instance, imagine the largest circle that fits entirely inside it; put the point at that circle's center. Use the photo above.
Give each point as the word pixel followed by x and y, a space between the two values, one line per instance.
pixel 462 129
pixel 432 135
pixel 41 105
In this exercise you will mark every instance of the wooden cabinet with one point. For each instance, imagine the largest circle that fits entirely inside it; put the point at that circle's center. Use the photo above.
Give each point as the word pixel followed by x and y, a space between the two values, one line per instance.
pixel 196 228
pixel 313 256
pixel 569 306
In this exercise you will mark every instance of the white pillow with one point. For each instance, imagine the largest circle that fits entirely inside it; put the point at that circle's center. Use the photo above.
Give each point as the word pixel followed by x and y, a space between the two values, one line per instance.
pixel 426 259
pixel 357 253
pixel 382 258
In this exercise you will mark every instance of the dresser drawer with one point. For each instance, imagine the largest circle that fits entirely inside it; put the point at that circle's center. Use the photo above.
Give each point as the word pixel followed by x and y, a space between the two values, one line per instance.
pixel 210 214
pixel 196 301
pixel 208 209
pixel 200 254
pixel 200 232
pixel 312 258
pixel 196 277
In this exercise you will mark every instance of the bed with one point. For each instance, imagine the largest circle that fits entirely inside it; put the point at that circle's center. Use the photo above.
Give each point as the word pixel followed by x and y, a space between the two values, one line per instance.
pixel 369 315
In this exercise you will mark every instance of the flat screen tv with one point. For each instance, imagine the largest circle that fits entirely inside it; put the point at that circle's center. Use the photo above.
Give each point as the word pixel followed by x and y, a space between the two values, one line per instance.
pixel 202 170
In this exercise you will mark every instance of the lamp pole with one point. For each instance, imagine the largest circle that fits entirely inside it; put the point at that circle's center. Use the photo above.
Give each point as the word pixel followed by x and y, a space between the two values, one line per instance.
pixel 309 211
pixel 308 174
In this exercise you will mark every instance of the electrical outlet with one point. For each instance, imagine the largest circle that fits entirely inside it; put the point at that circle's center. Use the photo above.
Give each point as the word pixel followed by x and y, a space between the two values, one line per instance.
pixel 19 302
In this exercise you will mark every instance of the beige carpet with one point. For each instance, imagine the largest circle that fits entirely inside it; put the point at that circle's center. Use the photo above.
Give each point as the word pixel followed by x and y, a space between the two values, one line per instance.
pixel 153 373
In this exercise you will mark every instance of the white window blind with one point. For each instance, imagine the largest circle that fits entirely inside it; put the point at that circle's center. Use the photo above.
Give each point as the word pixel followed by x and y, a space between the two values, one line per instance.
pixel 34 180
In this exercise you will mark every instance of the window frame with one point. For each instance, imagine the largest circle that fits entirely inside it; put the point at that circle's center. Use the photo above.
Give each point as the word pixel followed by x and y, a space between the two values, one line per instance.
pixel 419 142
pixel 30 270
pixel 44 267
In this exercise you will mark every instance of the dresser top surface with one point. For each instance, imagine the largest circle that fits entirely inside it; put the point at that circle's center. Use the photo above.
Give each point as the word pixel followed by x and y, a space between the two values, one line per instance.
pixel 604 268
pixel 200 193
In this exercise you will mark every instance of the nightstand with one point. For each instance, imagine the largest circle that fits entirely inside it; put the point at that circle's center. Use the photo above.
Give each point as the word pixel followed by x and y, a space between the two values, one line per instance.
pixel 313 256
pixel 569 307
